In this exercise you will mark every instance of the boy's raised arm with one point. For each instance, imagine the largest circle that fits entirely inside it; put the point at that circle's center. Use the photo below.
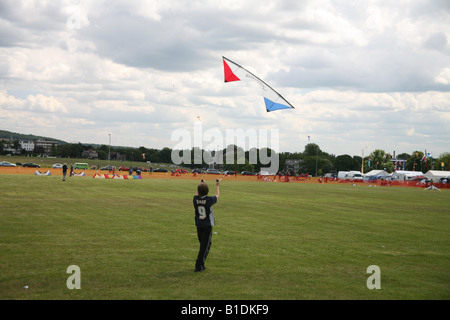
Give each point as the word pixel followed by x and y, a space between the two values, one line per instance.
pixel 217 189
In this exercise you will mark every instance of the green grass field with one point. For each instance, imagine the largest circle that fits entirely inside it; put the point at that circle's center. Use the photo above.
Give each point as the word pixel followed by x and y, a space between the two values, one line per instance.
pixel 136 239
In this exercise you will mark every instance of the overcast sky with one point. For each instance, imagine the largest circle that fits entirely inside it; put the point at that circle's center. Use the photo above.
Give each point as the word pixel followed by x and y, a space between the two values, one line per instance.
pixel 360 74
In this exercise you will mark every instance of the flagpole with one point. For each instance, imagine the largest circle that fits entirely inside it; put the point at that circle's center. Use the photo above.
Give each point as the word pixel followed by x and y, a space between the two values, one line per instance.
pixel 362 162
pixel 109 149
pixel 317 157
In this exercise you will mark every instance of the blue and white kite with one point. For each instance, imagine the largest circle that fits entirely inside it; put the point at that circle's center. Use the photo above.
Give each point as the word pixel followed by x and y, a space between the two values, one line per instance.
pixel 272 99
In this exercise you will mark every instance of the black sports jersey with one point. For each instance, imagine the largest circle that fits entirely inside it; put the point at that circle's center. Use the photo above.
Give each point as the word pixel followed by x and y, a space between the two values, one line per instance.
pixel 204 215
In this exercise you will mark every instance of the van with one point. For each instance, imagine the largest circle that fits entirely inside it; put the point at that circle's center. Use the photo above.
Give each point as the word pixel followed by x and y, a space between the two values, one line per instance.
pixel 80 165
pixel 342 175
pixel 355 175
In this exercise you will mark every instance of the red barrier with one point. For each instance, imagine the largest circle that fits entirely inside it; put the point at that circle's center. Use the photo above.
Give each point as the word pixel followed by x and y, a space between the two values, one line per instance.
pixel 417 184
pixel 283 178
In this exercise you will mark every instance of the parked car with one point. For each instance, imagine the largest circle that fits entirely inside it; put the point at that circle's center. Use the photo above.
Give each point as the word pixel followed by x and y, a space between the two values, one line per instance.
pixel 229 172
pixel 57 166
pixel 247 173
pixel 124 169
pixel 31 165
pixel 197 171
pixel 160 170
pixel 213 171
pixel 6 164
pixel 108 168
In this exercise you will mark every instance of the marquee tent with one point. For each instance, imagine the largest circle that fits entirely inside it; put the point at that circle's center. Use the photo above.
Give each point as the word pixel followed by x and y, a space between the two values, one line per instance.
pixel 436 175
pixel 406 175
pixel 376 174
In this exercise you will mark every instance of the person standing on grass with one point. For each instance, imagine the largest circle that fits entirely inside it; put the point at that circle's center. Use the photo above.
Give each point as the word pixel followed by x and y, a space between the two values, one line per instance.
pixel 64 168
pixel 204 221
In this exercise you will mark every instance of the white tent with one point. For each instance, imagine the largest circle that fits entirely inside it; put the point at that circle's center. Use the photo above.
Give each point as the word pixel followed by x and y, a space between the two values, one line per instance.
pixel 406 175
pixel 376 173
pixel 436 175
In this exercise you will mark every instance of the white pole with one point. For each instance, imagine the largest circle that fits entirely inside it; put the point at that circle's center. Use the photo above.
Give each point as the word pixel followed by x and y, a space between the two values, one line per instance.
pixel 109 150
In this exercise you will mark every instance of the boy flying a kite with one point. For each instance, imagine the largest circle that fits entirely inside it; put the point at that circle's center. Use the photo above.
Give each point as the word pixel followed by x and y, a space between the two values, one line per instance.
pixel 204 221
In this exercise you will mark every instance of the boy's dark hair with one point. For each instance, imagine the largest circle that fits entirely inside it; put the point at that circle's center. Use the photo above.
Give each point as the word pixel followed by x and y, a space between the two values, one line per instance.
pixel 202 189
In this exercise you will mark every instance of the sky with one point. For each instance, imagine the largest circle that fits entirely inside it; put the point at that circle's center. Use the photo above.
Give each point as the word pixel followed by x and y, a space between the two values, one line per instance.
pixel 362 75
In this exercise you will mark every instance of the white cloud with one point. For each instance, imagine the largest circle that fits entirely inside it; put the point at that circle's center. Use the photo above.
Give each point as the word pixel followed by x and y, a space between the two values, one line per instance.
pixel 41 103
pixel 358 73
pixel 443 77
pixel 35 103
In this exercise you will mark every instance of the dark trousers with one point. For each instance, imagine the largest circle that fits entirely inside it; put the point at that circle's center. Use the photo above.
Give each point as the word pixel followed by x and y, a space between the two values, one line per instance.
pixel 204 235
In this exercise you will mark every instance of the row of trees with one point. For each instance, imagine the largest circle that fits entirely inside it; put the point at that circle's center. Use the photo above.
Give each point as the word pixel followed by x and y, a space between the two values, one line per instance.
pixel 377 160
pixel 75 150
pixel 312 160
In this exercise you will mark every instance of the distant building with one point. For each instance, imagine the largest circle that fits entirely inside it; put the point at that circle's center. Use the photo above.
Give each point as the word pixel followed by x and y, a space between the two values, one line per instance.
pixel 90 154
pixel 10 148
pixel 118 156
pixel 27 145
pixel 292 165
pixel 45 145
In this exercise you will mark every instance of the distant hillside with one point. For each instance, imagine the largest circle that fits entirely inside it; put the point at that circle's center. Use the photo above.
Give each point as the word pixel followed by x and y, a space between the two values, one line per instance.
pixel 20 136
